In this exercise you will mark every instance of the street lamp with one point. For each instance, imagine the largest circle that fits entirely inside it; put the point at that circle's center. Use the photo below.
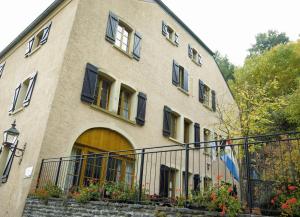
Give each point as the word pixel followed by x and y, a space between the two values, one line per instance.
pixel 10 140
pixel 10 136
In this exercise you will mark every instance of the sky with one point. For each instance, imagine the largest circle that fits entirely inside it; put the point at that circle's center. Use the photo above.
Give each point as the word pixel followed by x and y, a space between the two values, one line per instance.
pixel 228 26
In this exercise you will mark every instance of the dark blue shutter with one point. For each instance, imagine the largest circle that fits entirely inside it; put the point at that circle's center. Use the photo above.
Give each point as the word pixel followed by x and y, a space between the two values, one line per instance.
pixel 16 95
pixel 2 65
pixel 141 109
pixel 186 80
pixel 176 39
pixel 213 100
pixel 8 165
pixel 137 46
pixel 89 83
pixel 197 134
pixel 111 29
pixel 45 34
pixel 28 95
pixel 175 73
pixel 190 51
pixel 167 121
pixel 164 28
pixel 201 91
pixel 29 46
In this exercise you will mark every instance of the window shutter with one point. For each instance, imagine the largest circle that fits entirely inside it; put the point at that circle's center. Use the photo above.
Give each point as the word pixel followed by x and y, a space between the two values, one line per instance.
pixel 8 165
pixel 200 60
pixel 16 95
pixel 197 134
pixel 141 109
pixel 29 46
pixel 137 46
pixel 186 80
pixel 213 100
pixel 89 83
pixel 2 65
pixel 164 28
pixel 201 91
pixel 175 73
pixel 190 51
pixel 176 39
pixel 111 28
pixel 29 90
pixel 45 34
pixel 167 121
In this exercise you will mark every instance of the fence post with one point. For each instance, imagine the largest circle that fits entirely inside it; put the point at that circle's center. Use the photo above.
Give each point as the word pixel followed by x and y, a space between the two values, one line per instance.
pixel 186 174
pixel 39 176
pixel 58 171
pixel 141 175
pixel 248 178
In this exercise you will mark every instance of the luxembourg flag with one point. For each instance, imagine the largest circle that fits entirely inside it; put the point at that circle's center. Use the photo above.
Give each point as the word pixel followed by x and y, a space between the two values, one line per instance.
pixel 230 162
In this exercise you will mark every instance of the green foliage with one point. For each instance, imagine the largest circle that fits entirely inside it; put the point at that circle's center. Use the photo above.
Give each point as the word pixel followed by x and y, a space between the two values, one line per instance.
pixel 88 193
pixel 53 190
pixel 266 89
pixel 226 67
pixel 266 41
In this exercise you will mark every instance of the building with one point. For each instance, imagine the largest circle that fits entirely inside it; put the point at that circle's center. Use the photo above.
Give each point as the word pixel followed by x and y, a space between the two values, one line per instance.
pixel 90 76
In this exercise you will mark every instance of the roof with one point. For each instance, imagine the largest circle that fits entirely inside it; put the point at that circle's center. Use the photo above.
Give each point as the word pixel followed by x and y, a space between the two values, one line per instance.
pixel 56 3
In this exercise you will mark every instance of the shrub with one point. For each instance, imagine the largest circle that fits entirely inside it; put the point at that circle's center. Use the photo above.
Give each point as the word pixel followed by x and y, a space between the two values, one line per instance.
pixel 53 190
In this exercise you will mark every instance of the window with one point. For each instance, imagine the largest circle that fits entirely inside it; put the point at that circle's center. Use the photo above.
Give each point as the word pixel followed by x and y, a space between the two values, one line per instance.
pixel 129 173
pixel 206 95
pixel 39 39
pixel 173 128
pixel 187 125
pixel 122 38
pixel 7 156
pixel 180 77
pixel 167 181
pixel 119 33
pixel 207 138
pixel 23 93
pixel 102 93
pixel 114 169
pixel 124 103
pixel 170 34
pixel 194 55
pixel 2 65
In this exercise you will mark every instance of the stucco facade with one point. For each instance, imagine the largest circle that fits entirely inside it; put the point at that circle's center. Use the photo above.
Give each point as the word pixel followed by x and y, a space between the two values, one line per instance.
pixel 56 116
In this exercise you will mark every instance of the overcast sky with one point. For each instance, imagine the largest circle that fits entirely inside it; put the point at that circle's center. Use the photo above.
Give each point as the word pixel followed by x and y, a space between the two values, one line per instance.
pixel 229 26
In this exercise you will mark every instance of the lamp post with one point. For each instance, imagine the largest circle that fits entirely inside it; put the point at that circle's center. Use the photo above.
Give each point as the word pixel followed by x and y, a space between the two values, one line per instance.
pixel 10 140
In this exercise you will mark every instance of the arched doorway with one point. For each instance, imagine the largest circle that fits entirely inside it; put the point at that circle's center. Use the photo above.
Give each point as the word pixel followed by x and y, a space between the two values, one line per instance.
pixel 103 155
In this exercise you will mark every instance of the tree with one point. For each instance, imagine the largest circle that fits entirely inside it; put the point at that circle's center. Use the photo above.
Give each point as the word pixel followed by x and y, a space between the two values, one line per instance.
pixel 266 41
pixel 226 67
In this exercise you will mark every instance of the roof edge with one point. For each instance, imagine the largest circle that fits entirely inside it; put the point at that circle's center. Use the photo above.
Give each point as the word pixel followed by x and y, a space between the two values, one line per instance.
pixel 172 14
pixel 29 28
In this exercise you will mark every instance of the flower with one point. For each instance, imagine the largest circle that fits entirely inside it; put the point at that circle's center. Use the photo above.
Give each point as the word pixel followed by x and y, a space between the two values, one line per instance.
pixel 272 201
pixel 219 177
pixel 291 201
pixel 213 196
pixel 292 188
pixel 285 206
pixel 229 190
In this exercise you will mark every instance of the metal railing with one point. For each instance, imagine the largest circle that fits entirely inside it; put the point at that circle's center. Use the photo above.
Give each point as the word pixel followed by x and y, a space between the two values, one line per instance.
pixel 254 166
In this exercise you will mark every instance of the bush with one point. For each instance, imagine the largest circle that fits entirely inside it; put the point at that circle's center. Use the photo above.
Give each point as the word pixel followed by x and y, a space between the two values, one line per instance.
pixel 53 190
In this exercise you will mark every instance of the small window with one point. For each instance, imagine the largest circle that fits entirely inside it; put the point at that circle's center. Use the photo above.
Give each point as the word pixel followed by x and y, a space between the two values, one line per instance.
pixel 1 68
pixel 124 102
pixel 22 94
pixel 123 37
pixel 195 55
pixel 8 157
pixel 207 138
pixel 173 129
pixel 180 76
pixel 206 95
pixel 103 93
pixel 187 126
pixel 170 33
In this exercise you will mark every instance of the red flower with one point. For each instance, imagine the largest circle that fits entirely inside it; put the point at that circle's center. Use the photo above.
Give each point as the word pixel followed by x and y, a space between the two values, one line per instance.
pixel 230 190
pixel 285 206
pixel 291 201
pixel 292 188
pixel 219 178
pixel 213 196
pixel 272 201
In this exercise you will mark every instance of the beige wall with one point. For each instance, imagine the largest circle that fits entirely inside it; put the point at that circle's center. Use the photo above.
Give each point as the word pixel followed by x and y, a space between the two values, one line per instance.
pixel 31 121
pixel 56 116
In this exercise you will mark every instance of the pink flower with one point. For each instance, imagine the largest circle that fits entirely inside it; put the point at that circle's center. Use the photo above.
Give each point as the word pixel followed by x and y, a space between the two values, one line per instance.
pixel 285 206
pixel 230 190
pixel 291 201
pixel 292 188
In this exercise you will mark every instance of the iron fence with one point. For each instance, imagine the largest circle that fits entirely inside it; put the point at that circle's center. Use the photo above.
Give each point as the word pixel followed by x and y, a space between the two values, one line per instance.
pixel 255 167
